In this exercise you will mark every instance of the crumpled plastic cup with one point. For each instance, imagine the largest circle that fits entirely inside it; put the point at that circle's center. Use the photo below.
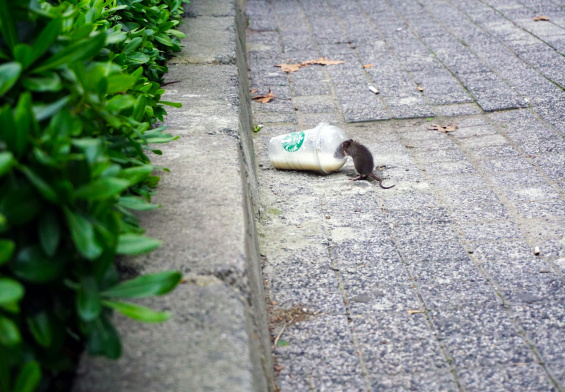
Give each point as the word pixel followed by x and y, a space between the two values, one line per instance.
pixel 313 149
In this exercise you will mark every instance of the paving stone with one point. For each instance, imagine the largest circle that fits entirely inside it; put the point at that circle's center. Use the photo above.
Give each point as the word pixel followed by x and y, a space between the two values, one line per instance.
pixel 519 178
pixel 383 297
pixel 484 336
pixel 541 192
pixel 491 231
pixel 425 381
pixel 459 183
pixel 316 290
pixel 530 377
pixel 311 120
pixel 411 200
pixel 308 87
pixel 466 132
pixel 504 164
pixel 457 110
pixel 507 250
pixel 484 141
pixel 393 358
pixel 480 213
pixel 392 327
pixel 418 252
pixel 352 253
pixel 457 294
pixel 409 234
pixel 526 281
pixel 446 168
pixel 470 197
pixel 505 150
pixel 325 347
pixel 547 208
pixel 539 229
pixel 314 104
pixel 319 383
pixel 445 271
pixel 438 156
pixel 420 216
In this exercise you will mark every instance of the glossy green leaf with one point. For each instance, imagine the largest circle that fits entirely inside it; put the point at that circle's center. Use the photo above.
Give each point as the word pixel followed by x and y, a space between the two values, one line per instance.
pixel 49 232
pixel 138 312
pixel 32 265
pixel 7 25
pixel 120 83
pixel 139 107
pixel 20 205
pixel 136 174
pixel 116 37
pixel 134 244
pixel 132 45
pixel 23 118
pixel 92 148
pixel 23 54
pixel 41 185
pixel 49 82
pixel 120 102
pixel 44 111
pixel 102 188
pixel 9 74
pixel 9 333
pixel 136 203
pixel 29 377
pixel 88 300
pixel 6 162
pixel 138 58
pixel 82 233
pixel 10 291
pixel 78 51
pixel 40 327
pixel 104 340
pixel 7 248
pixel 173 104
pixel 46 37
pixel 164 39
pixel 152 284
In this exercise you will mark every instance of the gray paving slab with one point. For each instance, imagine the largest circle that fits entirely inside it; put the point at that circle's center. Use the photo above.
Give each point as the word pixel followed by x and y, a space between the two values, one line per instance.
pixel 454 279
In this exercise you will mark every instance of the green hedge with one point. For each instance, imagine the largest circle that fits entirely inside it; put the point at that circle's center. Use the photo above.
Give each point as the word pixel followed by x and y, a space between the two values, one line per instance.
pixel 80 98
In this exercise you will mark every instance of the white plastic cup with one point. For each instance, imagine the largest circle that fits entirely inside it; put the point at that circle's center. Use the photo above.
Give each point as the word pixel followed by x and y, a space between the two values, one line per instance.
pixel 313 149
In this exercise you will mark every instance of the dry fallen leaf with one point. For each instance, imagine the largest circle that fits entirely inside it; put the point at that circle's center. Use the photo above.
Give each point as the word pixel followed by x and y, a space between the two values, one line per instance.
pixel 288 68
pixel 252 91
pixel 368 65
pixel 415 311
pixel 265 98
pixel 443 128
pixel 420 89
pixel 541 18
pixel 323 61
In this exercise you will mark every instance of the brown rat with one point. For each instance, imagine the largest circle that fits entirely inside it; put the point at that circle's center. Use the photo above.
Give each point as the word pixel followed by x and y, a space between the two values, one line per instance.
pixel 362 159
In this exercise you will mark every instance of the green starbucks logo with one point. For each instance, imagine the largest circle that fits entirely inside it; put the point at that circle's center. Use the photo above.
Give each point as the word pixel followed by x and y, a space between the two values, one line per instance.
pixel 293 141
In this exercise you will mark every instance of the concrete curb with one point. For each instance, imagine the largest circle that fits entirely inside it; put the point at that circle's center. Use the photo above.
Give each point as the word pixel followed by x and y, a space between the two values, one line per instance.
pixel 218 338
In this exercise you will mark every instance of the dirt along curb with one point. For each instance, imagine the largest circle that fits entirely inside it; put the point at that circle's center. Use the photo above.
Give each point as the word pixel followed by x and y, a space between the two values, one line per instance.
pixel 217 338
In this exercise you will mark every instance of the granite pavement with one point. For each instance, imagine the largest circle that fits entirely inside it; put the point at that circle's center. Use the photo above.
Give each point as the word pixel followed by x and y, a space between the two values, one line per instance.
pixel 453 280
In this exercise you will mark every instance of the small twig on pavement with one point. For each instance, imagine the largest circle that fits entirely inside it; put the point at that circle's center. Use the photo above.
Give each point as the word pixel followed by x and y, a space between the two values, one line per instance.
pixel 280 334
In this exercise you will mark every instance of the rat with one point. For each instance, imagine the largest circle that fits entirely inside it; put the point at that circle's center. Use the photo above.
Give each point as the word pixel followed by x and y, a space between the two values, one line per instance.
pixel 362 159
